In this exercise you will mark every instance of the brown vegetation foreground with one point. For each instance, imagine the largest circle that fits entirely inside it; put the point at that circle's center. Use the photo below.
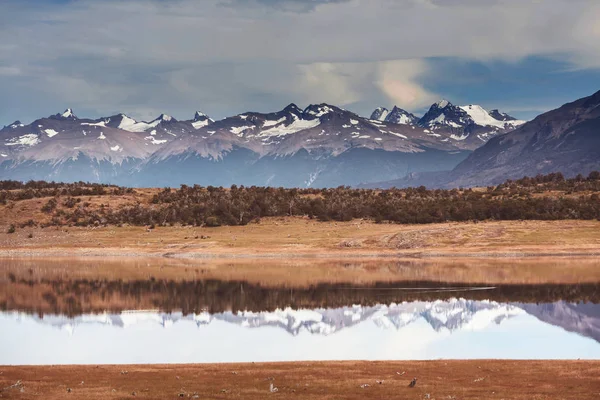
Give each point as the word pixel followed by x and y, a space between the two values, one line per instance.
pixel 303 237
pixel 442 379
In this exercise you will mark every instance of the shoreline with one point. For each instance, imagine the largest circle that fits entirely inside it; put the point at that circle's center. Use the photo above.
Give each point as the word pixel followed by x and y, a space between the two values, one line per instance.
pixel 439 379
pixel 116 253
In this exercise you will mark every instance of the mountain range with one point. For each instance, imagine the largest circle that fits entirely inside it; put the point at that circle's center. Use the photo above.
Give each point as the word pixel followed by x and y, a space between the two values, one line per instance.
pixel 565 140
pixel 321 146
pixel 452 315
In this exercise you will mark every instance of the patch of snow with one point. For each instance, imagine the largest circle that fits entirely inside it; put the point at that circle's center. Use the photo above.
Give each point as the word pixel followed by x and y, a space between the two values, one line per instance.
pixel 131 125
pixel 244 117
pixel 3 155
pixel 459 138
pixel 321 111
pixel 116 148
pixel 354 122
pixel 397 134
pixel 440 119
pixel 481 117
pixel 50 132
pixel 153 140
pixel 384 113
pixel 237 130
pixel 364 136
pixel 101 123
pixel 378 138
pixel 346 126
pixel 68 113
pixel 404 120
pixel 272 123
pixel 30 139
pixel 102 136
pixel 297 125
pixel 212 132
pixel 442 103
pixel 14 126
pixel 200 124
pixel 153 132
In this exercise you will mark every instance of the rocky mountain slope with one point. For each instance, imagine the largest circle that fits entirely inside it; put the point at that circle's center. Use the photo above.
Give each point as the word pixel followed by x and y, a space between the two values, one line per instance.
pixel 321 145
pixel 564 140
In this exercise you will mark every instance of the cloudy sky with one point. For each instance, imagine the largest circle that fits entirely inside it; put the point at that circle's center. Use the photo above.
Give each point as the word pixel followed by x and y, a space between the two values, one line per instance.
pixel 223 57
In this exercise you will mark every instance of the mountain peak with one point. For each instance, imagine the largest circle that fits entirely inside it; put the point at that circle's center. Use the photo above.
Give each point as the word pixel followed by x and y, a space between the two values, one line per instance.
pixel 442 103
pixel 67 114
pixel 319 110
pixel 165 118
pixel 380 114
pixel 500 116
pixel 200 116
pixel 16 124
pixel 401 116
pixel 292 108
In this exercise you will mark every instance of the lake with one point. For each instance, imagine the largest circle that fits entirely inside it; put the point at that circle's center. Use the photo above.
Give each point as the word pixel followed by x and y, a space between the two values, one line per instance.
pixel 51 315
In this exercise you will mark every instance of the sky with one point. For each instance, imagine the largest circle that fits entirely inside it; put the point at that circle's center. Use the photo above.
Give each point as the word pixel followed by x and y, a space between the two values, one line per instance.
pixel 224 57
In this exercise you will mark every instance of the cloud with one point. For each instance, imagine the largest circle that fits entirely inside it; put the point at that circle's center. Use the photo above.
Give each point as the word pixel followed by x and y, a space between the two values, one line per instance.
pixel 399 81
pixel 285 5
pixel 225 56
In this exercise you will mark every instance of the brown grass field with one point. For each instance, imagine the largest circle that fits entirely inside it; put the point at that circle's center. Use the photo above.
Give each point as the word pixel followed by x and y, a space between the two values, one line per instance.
pixel 442 379
pixel 302 237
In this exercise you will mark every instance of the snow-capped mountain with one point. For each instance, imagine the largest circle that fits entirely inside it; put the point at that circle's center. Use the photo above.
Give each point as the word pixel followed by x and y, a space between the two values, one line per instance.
pixel 470 124
pixel 565 139
pixel 449 316
pixel 321 145
pixel 396 116
pixel 467 127
pixel 452 315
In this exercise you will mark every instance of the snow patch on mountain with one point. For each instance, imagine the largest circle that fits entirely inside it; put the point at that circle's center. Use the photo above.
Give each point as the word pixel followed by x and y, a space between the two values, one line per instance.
pixel 296 126
pixel 68 113
pixel 380 114
pixel 318 111
pixel 30 139
pixel 269 123
pixel 131 125
pixel 238 130
pixel 200 124
pixel 101 123
pixel 481 117
pixel 50 132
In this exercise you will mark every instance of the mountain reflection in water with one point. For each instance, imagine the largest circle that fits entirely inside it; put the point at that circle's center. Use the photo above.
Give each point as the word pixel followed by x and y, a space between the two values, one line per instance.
pixel 455 328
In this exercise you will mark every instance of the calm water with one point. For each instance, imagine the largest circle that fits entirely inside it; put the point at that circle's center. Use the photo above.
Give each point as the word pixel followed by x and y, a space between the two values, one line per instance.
pixel 61 321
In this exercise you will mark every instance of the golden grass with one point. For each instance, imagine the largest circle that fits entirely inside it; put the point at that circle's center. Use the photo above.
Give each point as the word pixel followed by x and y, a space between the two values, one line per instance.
pixel 295 237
